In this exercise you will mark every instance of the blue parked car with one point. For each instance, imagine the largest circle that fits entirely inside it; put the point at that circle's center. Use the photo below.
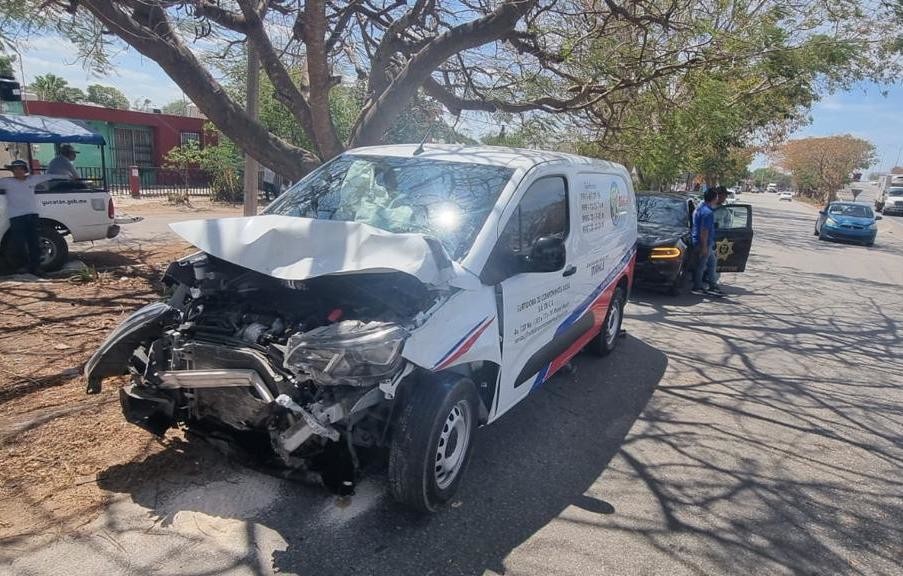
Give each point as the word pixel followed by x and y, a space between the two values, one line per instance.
pixel 847 221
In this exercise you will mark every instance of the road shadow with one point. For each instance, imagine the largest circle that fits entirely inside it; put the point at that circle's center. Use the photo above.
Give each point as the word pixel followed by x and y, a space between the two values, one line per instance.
pixel 659 297
pixel 528 467
pixel 794 467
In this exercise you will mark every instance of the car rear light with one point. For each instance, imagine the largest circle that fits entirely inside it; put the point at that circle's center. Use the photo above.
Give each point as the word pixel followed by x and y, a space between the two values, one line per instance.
pixel 111 210
pixel 665 253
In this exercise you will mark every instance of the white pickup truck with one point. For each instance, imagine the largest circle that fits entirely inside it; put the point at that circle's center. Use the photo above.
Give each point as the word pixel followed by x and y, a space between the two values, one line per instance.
pixel 66 208
pixel 75 208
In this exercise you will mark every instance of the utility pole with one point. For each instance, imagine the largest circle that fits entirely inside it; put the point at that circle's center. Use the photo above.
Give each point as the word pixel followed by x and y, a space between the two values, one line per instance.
pixel 253 90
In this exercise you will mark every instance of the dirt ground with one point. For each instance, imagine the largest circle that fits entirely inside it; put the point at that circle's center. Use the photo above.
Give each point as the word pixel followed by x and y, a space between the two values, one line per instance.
pixel 55 439
pixel 155 205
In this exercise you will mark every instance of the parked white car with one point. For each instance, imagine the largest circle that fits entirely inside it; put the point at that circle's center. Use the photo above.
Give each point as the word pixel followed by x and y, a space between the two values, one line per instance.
pixel 398 296
pixel 786 195
pixel 65 208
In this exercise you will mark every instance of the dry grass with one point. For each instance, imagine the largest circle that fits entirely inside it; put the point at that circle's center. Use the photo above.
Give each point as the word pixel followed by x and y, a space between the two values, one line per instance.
pixel 54 439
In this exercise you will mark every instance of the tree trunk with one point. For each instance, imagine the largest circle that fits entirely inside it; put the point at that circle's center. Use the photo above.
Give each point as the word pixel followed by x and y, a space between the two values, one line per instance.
pixel 378 116
pixel 320 80
pixel 148 31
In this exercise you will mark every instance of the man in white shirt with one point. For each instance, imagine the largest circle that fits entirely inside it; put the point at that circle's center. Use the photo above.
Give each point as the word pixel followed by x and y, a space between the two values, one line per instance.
pixel 63 163
pixel 22 209
pixel 269 183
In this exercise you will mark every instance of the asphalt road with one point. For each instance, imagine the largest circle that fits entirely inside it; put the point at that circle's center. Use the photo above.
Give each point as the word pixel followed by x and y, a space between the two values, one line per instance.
pixel 758 434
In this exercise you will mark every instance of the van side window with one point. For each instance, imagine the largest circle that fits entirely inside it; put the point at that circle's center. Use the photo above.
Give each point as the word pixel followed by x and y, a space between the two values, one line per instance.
pixel 543 211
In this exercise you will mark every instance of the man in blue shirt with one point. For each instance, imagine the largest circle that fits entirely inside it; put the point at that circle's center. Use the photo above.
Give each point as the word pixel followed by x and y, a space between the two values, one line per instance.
pixel 704 245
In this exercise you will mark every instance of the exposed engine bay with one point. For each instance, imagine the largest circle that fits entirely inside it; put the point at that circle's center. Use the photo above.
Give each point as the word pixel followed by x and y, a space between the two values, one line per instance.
pixel 254 360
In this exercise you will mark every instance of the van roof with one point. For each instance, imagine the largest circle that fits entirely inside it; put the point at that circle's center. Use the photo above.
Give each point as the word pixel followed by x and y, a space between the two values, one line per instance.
pixel 492 155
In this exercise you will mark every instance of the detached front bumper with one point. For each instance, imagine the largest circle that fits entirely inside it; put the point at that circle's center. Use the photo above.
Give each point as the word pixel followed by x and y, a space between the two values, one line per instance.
pixel 112 358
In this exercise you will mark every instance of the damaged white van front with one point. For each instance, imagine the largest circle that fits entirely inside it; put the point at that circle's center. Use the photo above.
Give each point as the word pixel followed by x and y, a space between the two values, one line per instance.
pixel 397 297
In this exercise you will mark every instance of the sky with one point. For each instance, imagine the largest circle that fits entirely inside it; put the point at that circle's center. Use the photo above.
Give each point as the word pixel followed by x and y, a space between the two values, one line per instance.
pixel 862 111
pixel 865 113
pixel 136 76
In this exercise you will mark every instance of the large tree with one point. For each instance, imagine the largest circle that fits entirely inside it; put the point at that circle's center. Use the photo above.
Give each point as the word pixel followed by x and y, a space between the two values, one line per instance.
pixel 396 47
pixel 6 66
pixel 821 166
pixel 53 88
pixel 748 98
pixel 107 96
pixel 511 56
pixel 176 107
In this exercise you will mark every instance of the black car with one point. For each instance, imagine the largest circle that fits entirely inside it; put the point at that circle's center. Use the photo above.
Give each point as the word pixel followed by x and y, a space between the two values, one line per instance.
pixel 664 244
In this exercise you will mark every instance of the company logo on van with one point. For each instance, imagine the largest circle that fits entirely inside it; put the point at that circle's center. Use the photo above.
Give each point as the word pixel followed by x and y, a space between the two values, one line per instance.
pixel 618 201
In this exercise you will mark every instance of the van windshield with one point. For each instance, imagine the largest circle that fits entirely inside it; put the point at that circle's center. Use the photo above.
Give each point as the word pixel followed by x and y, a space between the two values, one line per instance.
pixel 895 192
pixel 447 200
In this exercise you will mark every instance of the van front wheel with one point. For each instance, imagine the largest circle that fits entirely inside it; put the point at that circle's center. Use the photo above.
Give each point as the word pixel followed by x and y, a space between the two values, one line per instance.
pixel 431 442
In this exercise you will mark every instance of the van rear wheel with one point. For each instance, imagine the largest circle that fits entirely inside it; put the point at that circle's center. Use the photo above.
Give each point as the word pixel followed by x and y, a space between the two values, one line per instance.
pixel 607 340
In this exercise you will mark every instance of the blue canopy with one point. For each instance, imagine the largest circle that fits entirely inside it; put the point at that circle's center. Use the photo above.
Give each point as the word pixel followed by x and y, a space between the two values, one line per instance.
pixel 44 130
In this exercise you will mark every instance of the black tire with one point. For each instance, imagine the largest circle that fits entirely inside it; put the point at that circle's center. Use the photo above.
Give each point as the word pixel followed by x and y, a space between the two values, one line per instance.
pixel 54 249
pixel 7 263
pixel 422 431
pixel 607 339
pixel 680 282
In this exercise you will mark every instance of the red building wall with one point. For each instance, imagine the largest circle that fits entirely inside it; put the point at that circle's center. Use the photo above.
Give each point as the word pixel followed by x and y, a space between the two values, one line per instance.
pixel 167 129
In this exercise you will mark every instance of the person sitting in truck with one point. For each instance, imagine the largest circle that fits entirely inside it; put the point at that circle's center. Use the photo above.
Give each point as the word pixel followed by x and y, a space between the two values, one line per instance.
pixel 63 163
pixel 22 209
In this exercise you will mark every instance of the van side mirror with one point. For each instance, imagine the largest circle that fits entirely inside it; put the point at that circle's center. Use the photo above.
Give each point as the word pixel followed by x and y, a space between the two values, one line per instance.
pixel 878 217
pixel 547 255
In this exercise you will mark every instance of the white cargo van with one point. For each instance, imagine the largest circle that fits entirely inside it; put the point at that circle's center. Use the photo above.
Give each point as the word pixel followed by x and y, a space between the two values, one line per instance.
pixel 398 297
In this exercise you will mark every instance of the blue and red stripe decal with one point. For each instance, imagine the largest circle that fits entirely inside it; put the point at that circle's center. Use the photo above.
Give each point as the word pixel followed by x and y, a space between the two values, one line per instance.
pixel 464 344
pixel 597 302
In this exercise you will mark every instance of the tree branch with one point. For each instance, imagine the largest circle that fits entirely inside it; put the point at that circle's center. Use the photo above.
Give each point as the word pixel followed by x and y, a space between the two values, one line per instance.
pixel 286 90
pixel 221 16
pixel 148 30
pixel 376 119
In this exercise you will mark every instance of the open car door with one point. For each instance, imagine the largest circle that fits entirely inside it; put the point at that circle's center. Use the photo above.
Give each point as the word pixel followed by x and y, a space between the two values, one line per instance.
pixel 733 236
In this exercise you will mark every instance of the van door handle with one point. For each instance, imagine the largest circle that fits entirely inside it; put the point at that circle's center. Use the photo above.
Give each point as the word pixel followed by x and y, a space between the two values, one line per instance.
pixel 570 270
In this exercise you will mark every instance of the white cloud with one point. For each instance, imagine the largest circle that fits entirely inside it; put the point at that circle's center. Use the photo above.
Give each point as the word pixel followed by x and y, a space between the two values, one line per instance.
pixel 134 75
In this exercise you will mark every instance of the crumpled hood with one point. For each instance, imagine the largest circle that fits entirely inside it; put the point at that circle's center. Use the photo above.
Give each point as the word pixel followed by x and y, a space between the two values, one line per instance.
pixel 654 234
pixel 291 248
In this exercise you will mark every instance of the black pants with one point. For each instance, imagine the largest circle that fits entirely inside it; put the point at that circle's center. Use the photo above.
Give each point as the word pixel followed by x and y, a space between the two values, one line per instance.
pixel 24 230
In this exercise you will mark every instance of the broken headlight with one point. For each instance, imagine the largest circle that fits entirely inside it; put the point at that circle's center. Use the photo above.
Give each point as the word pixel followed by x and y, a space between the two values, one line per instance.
pixel 349 352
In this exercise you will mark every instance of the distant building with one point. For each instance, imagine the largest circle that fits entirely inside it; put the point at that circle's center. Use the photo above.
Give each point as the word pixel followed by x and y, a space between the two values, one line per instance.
pixel 133 138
